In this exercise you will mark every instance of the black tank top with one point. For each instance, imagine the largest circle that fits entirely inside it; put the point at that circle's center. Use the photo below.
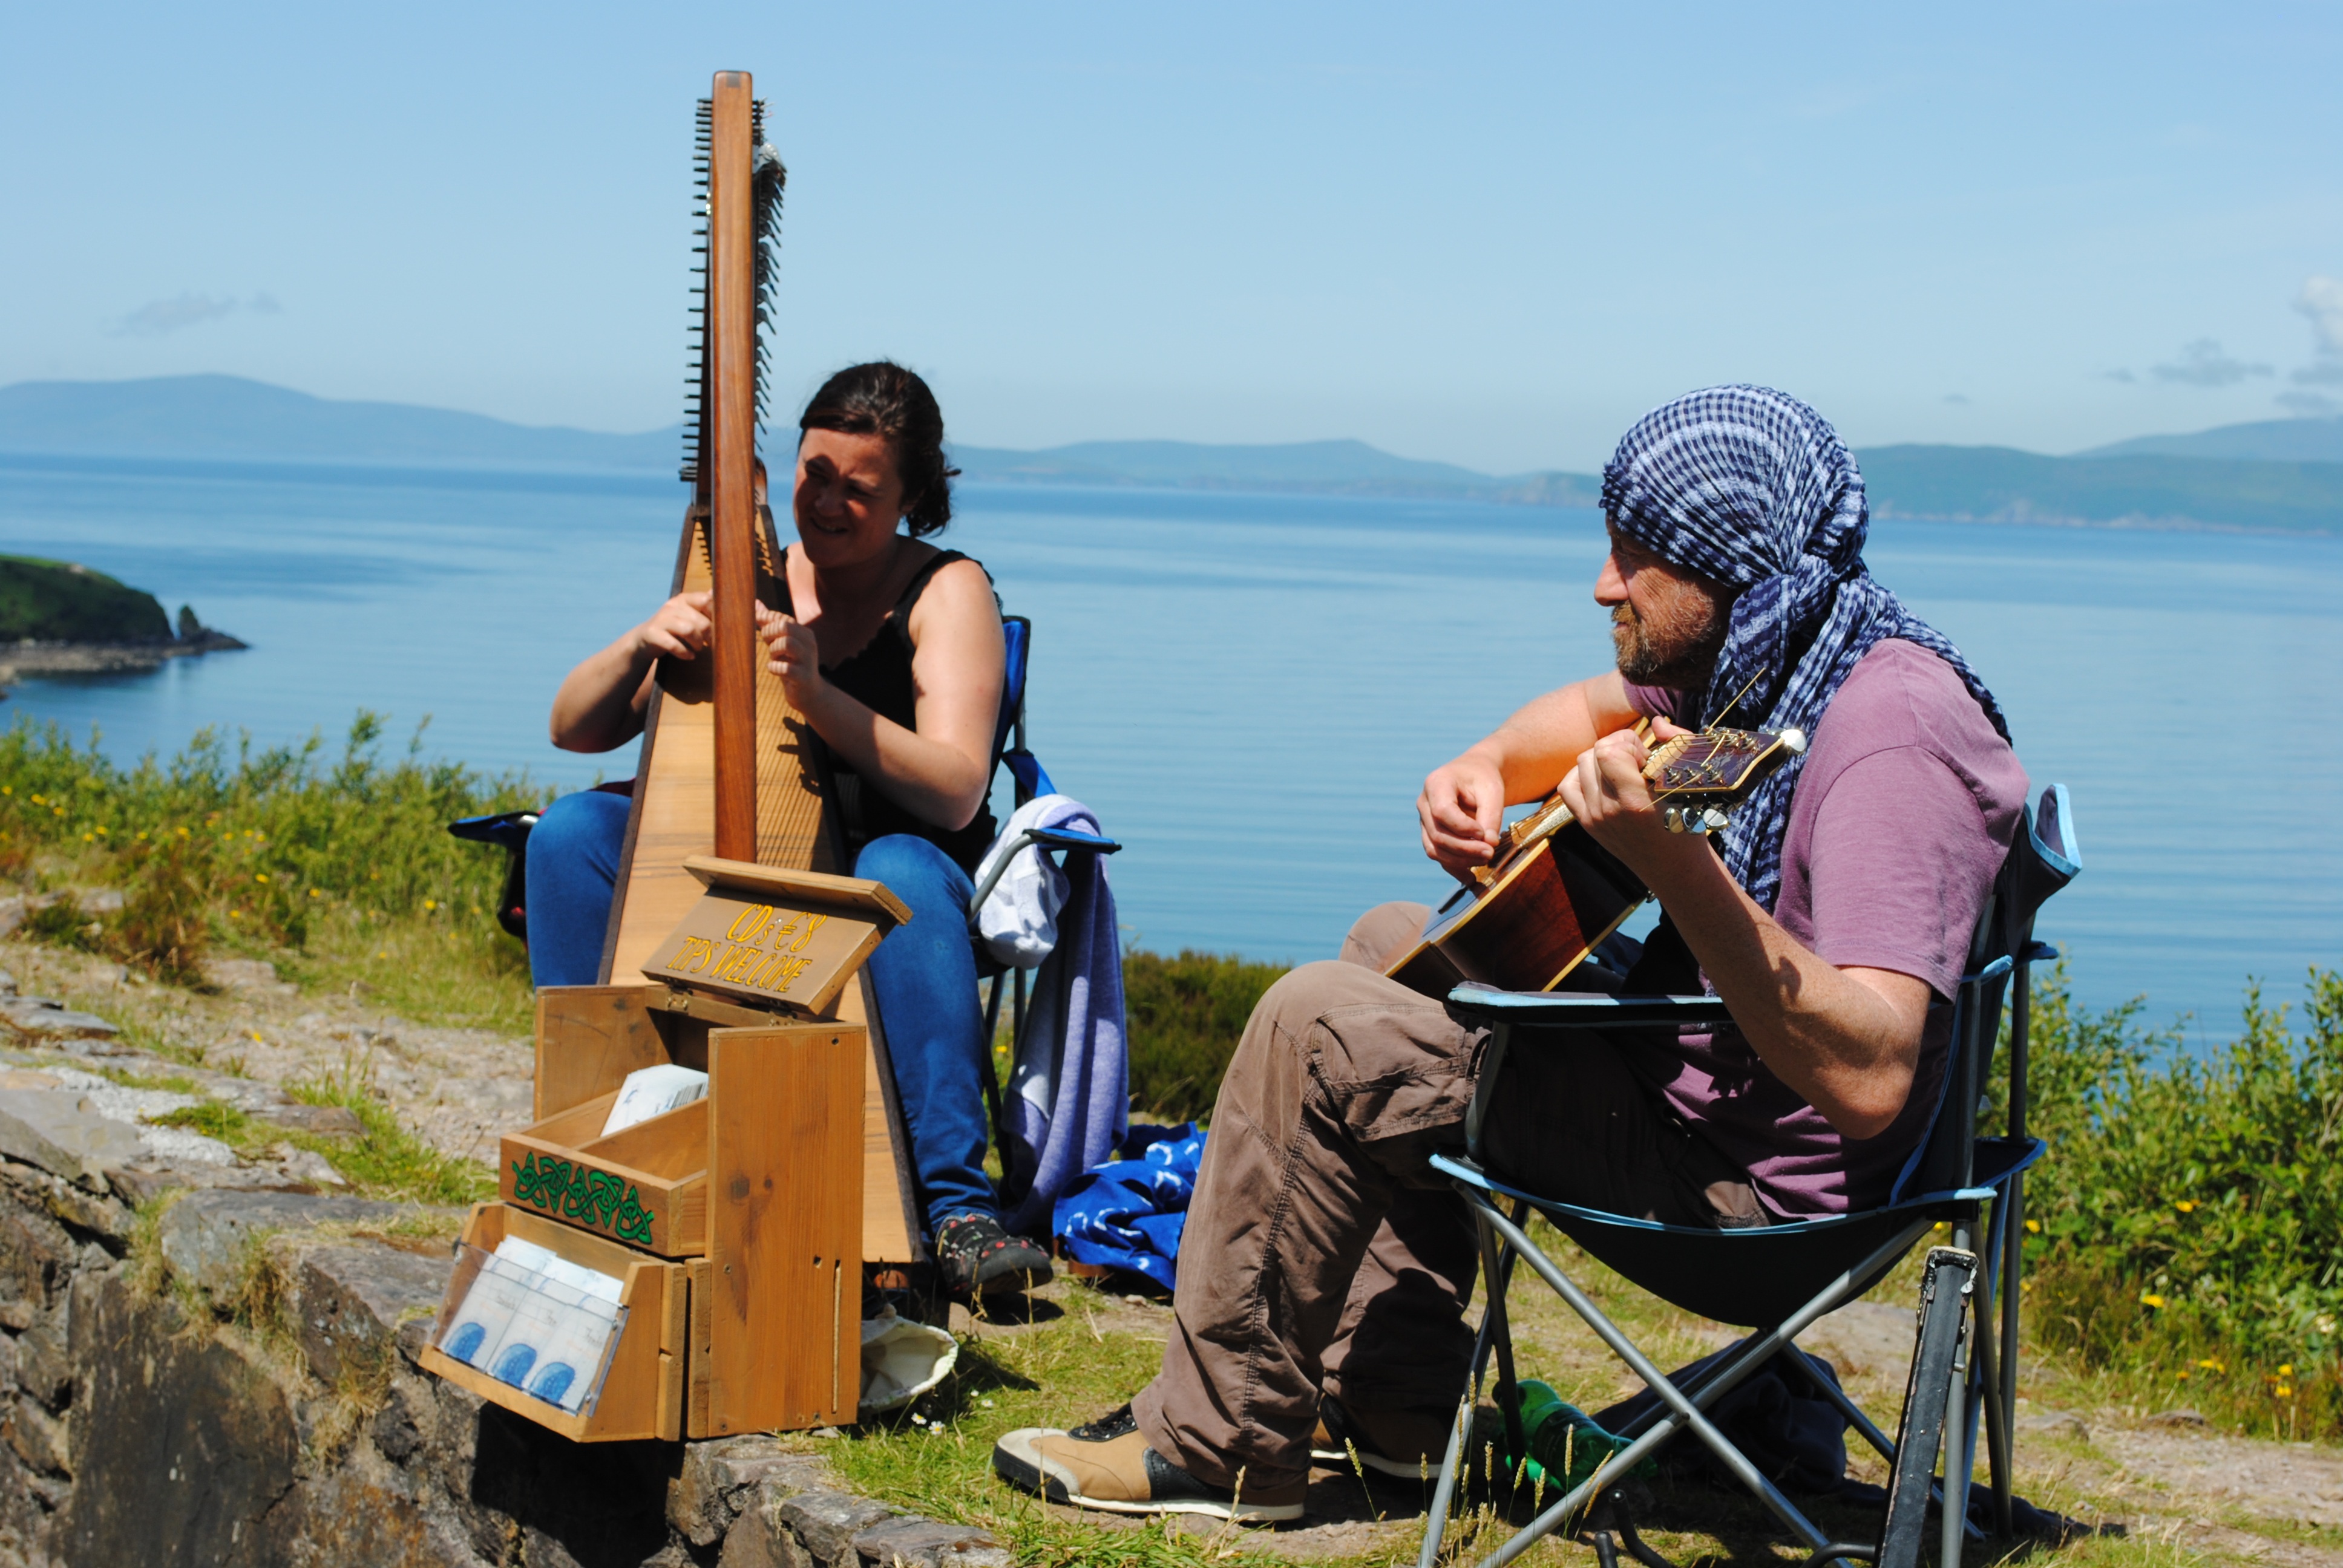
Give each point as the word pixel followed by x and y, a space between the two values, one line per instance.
pixel 879 677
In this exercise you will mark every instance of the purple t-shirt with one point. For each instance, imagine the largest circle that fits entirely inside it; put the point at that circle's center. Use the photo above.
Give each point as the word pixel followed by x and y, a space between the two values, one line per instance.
pixel 1902 815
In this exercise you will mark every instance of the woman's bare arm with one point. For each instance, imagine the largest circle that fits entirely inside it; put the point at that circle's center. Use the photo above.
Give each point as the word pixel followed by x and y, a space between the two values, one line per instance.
pixel 600 706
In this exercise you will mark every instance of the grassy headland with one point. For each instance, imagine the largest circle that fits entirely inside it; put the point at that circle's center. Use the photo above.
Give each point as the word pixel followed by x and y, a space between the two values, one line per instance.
pixel 59 601
pixel 2186 1233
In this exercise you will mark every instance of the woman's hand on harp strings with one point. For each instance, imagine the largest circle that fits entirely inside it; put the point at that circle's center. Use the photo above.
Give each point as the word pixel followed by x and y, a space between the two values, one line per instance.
pixel 793 653
pixel 677 629
pixel 1462 808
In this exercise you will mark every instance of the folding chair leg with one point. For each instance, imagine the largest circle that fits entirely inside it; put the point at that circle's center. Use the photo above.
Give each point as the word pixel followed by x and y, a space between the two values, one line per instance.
pixel 1499 1334
pixel 1931 1412
pixel 2010 1213
pixel 992 1078
pixel 1497 1277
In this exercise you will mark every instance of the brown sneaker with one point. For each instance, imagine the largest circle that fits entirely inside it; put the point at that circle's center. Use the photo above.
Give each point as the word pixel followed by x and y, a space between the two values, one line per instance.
pixel 1108 1465
pixel 1407 1443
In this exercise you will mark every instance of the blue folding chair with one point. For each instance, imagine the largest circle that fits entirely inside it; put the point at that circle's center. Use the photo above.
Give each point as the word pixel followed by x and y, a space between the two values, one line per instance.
pixel 1779 1279
pixel 1030 782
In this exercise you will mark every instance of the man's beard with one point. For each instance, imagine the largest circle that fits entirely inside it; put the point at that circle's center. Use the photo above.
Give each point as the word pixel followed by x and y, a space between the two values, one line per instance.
pixel 1676 651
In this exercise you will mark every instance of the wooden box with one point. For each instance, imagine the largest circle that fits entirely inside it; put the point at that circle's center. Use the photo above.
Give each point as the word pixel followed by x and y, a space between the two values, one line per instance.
pixel 643 1395
pixel 759 1186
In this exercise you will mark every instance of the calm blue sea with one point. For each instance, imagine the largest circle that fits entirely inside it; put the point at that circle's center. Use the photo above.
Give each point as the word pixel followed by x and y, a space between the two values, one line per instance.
pixel 1249 688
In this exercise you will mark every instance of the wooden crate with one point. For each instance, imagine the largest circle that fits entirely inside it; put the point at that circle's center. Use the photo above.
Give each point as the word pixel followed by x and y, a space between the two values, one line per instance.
pixel 588 1038
pixel 758 1188
pixel 643 1396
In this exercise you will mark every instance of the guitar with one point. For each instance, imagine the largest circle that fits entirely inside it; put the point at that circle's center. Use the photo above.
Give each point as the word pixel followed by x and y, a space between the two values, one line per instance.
pixel 1551 893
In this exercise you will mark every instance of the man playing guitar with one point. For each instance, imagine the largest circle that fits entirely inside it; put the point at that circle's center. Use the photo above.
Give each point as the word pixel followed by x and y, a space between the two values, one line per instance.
pixel 1325 1271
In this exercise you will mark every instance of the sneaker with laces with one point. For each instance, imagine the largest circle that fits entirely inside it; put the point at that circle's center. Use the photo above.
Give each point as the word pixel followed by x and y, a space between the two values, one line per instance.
pixel 981 1259
pixel 1108 1465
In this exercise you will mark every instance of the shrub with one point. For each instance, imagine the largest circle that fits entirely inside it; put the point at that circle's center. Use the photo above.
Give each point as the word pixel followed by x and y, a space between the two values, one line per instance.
pixel 1185 1015
pixel 268 849
pixel 2190 1211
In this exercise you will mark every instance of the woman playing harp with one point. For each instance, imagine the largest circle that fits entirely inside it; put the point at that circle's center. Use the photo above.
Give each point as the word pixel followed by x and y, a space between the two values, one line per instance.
pixel 892 648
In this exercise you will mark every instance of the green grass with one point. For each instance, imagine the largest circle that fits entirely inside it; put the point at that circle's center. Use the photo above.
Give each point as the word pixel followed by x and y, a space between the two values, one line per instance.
pixel 1185 1014
pixel 341 871
pixel 383 1160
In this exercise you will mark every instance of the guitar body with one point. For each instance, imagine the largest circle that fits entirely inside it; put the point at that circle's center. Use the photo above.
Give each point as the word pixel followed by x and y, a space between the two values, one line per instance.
pixel 1553 894
pixel 1533 923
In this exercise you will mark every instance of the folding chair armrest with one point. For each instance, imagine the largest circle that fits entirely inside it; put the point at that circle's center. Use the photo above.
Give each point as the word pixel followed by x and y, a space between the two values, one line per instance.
pixel 1550 1010
pixel 1059 839
pixel 2041 953
pixel 1992 971
pixel 1048 838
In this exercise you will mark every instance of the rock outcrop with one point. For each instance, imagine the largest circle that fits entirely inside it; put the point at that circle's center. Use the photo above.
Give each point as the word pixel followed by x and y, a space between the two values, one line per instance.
pixel 200 1364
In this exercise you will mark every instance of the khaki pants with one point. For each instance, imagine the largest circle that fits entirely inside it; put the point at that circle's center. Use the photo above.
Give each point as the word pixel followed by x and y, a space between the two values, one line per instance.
pixel 1322 1253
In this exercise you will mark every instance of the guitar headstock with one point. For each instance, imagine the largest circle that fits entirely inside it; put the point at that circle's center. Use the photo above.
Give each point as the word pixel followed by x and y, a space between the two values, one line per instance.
pixel 1698 777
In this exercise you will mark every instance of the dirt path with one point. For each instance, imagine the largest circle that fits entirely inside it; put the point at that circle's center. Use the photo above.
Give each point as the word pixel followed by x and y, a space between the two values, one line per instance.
pixel 457 1088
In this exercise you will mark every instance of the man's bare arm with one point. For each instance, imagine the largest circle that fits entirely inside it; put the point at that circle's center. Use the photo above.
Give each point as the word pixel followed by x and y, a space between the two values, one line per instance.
pixel 1463 802
pixel 1847 1039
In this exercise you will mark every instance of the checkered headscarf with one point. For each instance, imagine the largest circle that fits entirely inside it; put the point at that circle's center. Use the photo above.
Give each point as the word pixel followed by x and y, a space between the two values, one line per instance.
pixel 1752 488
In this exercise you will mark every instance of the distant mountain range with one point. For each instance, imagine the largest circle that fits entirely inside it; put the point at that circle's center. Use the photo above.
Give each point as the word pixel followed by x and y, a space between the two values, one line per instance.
pixel 2277 475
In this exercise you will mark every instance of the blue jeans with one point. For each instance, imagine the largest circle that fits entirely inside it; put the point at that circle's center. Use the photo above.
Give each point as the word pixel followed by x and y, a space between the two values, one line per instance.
pixel 573 864
pixel 925 974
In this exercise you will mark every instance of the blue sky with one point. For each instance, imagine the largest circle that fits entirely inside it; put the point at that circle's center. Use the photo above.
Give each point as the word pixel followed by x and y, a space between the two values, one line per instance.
pixel 1488 234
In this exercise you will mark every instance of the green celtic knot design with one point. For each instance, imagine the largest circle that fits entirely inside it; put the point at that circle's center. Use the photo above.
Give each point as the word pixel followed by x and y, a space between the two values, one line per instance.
pixel 577 1192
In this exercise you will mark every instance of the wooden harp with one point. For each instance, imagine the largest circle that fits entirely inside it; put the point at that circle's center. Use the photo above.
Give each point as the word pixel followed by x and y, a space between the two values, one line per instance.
pixel 727 766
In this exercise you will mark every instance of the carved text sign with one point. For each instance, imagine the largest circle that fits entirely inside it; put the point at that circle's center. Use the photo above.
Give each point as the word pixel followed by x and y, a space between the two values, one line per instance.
pixel 757 935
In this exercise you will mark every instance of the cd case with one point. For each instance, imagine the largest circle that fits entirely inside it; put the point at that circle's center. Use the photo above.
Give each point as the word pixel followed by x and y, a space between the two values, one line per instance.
pixel 544 1325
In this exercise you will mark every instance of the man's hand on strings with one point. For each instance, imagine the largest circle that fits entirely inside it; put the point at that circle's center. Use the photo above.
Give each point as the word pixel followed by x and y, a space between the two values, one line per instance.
pixel 677 629
pixel 793 653
pixel 1462 808
pixel 1608 795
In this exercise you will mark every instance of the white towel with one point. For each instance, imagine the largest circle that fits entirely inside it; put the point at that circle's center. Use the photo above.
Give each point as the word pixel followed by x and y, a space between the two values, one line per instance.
pixel 1018 919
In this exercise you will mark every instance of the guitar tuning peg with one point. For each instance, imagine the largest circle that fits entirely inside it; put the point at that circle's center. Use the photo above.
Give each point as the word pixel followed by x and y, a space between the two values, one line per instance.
pixel 1793 742
pixel 1713 819
pixel 1672 818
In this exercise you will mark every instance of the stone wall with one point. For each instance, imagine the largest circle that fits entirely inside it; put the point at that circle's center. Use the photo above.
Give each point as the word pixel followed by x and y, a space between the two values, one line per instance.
pixel 226 1375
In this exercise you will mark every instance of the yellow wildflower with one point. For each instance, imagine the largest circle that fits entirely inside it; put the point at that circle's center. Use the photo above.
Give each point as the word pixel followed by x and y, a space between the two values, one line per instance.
pixel 2033 1227
pixel 2150 1299
pixel 183 832
pixel 89 837
pixel 260 876
pixel 255 1037
pixel 430 903
pixel 2182 1374
pixel 2285 1368
pixel 315 894
pixel 2187 1206
pixel 142 834
pixel 2209 1365
pixel 2285 1392
pixel 101 827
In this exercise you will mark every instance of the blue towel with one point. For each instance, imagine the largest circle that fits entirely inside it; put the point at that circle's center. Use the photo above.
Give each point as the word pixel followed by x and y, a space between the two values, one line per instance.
pixel 1128 1213
pixel 1067 1105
